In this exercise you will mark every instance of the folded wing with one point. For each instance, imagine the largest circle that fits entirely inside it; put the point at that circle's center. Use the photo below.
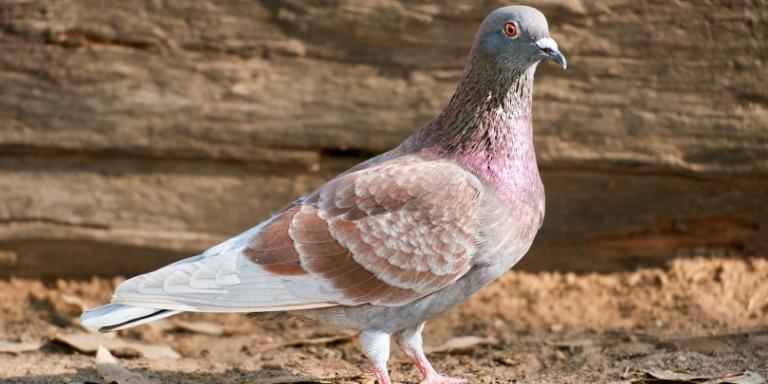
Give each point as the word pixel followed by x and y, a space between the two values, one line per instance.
pixel 385 235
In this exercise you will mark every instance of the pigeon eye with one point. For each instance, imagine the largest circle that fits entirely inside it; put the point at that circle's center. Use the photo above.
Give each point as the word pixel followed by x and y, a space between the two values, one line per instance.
pixel 510 29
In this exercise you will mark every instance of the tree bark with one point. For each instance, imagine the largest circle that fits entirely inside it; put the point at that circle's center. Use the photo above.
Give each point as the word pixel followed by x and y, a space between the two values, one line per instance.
pixel 137 132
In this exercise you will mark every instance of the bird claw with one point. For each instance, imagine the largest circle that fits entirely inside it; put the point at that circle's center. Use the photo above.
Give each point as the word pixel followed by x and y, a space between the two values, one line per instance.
pixel 440 379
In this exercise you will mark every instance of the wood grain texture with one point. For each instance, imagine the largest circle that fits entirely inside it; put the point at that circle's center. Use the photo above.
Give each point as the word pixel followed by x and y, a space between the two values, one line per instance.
pixel 138 131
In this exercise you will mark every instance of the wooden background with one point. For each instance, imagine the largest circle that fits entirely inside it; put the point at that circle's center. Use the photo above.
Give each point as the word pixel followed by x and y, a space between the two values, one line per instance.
pixel 136 132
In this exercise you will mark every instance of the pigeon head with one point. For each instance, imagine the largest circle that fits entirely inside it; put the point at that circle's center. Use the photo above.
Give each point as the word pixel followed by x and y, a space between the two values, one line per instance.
pixel 517 37
pixel 487 125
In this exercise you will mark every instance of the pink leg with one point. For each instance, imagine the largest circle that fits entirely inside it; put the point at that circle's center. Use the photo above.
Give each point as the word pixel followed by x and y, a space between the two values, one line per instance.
pixel 431 376
pixel 410 342
pixel 382 376
pixel 376 349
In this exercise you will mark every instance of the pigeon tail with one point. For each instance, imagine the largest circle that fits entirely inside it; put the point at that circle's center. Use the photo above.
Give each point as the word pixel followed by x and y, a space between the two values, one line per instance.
pixel 113 317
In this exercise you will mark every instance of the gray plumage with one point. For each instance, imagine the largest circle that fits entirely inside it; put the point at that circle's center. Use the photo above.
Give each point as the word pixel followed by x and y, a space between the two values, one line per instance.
pixel 394 241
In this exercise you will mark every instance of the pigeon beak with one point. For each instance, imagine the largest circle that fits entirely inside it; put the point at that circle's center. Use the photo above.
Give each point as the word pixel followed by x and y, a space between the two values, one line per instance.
pixel 549 50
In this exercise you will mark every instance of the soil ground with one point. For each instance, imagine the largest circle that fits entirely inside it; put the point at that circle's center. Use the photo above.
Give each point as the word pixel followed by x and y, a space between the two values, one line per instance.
pixel 699 316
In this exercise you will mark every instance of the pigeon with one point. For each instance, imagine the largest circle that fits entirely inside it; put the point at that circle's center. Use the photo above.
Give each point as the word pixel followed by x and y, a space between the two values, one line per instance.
pixel 393 241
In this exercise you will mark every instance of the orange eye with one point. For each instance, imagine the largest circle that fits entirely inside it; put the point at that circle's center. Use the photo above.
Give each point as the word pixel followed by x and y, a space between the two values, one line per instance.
pixel 510 29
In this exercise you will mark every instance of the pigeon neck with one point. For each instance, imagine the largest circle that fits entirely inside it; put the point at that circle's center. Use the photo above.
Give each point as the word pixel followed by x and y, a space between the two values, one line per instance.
pixel 486 127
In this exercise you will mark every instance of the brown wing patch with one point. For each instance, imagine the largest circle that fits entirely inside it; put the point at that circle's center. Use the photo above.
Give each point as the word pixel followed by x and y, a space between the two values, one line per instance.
pixel 385 235
pixel 382 260
pixel 273 248
pixel 321 254
pixel 420 218
pixel 410 222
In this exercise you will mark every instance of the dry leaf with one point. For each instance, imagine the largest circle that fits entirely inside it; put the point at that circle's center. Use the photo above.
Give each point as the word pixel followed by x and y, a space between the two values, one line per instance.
pixel 150 351
pixel 287 379
pixel 164 325
pixel 90 342
pixel 746 377
pixel 67 305
pixel 199 327
pixel 320 340
pixel 15 348
pixel 571 344
pixel 112 372
pixel 675 376
pixel 75 301
pixel 461 344
pixel 665 376
pixel 314 341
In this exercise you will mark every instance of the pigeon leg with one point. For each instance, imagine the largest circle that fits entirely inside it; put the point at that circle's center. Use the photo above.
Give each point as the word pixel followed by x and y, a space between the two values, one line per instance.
pixel 376 349
pixel 410 342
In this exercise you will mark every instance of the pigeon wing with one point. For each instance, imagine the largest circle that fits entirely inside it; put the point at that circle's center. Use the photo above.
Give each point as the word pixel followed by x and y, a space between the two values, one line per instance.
pixel 387 234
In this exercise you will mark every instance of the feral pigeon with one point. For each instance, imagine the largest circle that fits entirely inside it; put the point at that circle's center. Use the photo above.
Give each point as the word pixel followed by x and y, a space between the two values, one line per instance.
pixel 393 241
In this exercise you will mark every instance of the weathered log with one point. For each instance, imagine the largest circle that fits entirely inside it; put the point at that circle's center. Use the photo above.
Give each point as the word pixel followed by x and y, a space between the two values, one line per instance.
pixel 135 132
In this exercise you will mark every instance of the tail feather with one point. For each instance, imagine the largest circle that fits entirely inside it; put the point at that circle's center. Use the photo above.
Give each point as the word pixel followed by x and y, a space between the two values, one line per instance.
pixel 112 317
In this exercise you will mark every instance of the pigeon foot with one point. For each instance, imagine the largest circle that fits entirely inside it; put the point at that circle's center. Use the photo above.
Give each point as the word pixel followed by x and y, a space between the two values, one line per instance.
pixel 440 379
pixel 382 377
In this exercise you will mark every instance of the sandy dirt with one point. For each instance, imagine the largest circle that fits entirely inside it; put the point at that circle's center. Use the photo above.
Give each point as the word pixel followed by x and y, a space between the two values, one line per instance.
pixel 705 317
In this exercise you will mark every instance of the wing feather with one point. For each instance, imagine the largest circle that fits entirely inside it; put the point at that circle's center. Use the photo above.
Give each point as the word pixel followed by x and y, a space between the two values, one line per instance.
pixel 384 235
